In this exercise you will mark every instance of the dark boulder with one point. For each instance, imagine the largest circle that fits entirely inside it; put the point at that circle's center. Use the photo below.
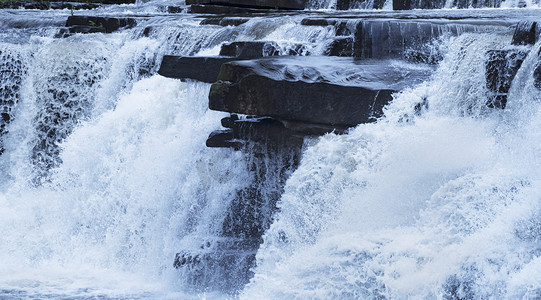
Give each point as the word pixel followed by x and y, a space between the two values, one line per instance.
pixel 501 67
pixel 304 90
pixel 282 4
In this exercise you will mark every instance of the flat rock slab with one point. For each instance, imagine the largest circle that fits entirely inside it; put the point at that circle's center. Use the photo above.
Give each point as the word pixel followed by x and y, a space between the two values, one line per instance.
pixel 206 69
pixel 333 91
pixel 227 10
pixel 203 69
pixel 282 4
pixel 108 24
pixel 224 21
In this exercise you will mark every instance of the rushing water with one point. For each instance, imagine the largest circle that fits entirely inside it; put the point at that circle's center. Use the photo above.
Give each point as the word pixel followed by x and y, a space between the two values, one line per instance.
pixel 105 175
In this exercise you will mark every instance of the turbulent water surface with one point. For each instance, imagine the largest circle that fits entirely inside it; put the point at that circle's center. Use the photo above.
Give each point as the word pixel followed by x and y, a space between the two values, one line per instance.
pixel 105 175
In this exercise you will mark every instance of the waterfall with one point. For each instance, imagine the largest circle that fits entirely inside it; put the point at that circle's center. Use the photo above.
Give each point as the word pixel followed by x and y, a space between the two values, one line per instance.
pixel 433 204
pixel 107 189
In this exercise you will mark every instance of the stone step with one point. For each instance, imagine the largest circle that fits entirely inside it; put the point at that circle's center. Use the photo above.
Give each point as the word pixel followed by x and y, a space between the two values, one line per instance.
pixel 358 4
pixel 281 4
pixel 332 91
pixel 108 24
pixel 206 69
pixel 225 10
pixel 414 40
pixel 43 5
pixel 224 21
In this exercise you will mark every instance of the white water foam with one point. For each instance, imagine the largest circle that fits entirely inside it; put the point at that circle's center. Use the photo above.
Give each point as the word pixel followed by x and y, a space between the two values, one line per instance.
pixel 441 203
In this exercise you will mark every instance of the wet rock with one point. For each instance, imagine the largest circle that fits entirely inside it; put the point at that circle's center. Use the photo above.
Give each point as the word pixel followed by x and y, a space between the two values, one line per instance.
pixel 225 21
pixel 72 5
pixel 318 22
pixel 359 4
pixel 223 264
pixel 402 4
pixel 12 72
pixel 340 47
pixel 537 76
pixel 25 5
pixel 394 38
pixel 303 90
pixel 420 4
pixel 341 27
pixel 228 122
pixel 526 33
pixel 204 69
pixel 86 29
pixel 250 49
pixel 501 67
pixel 175 9
pixel 224 10
pixel 474 3
pixel 223 139
pixel 108 24
pixel 282 4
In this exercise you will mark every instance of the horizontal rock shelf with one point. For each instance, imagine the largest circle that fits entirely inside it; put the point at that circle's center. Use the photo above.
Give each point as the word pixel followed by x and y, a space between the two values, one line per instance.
pixel 225 10
pixel 48 5
pixel 224 21
pixel 282 4
pixel 203 69
pixel 206 69
pixel 320 90
pixel 108 24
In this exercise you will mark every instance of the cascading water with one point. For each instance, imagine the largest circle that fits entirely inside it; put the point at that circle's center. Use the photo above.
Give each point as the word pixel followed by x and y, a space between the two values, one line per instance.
pixel 106 177
pixel 441 202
